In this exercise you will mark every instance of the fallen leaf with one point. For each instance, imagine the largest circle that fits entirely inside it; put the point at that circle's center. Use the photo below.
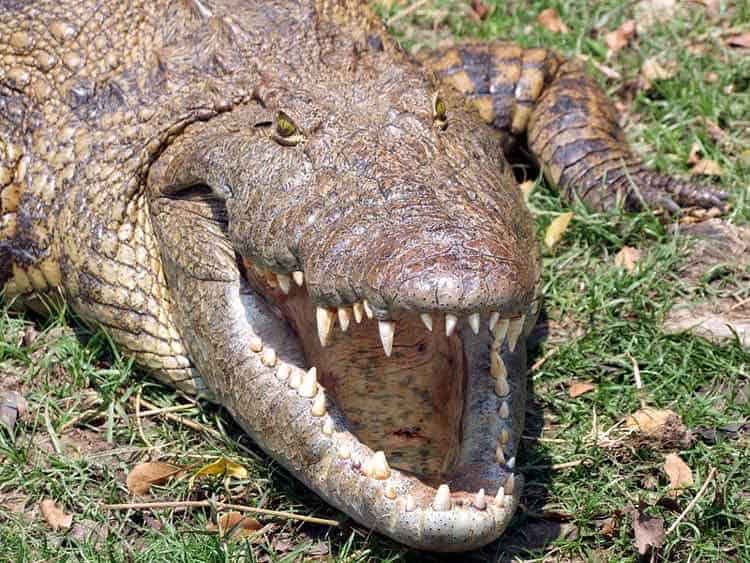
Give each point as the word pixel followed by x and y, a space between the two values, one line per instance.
pixel 609 526
pixel 648 530
pixel 695 151
pixel 653 71
pixel 651 421
pixel 13 405
pixel 143 475
pixel 54 515
pixel 618 38
pixel 579 388
pixel 650 12
pixel 680 475
pixel 627 258
pixel 741 41
pixel 88 531
pixel 556 228
pixel 550 20
pixel 706 167
pixel 223 467
pixel 236 524
pixel 480 10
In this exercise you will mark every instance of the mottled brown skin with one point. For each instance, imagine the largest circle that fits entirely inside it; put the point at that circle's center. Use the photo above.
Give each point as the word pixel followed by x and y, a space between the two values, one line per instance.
pixel 149 177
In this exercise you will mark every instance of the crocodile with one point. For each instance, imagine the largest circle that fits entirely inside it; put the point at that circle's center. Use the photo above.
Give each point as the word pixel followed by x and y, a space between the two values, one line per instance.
pixel 274 205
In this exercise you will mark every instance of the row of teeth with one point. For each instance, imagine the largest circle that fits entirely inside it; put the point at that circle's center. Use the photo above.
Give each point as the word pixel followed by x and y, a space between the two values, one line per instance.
pixel 377 467
pixel 326 317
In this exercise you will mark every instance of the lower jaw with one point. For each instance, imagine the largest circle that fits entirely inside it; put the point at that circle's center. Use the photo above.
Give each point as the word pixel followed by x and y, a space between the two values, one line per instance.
pixel 288 412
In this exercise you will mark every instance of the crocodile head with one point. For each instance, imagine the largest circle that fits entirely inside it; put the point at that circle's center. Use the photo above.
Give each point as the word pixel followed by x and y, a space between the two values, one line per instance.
pixel 353 269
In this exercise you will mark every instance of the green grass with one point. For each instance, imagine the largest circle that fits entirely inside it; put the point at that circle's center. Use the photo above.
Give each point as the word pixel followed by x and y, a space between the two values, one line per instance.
pixel 598 321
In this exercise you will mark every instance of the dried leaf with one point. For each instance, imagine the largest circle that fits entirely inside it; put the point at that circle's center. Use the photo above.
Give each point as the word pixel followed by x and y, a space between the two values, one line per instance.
pixel 221 466
pixel 579 388
pixel 13 405
pixel 480 10
pixel 679 473
pixel 706 167
pixel 143 475
pixel 741 41
pixel 648 530
pixel 652 71
pixel 54 515
pixel 628 258
pixel 650 12
pixel 618 38
pixel 236 524
pixel 556 229
pixel 695 151
pixel 550 19
pixel 651 421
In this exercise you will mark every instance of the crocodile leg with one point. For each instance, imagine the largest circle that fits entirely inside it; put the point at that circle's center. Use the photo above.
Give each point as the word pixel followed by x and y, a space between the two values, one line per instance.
pixel 570 125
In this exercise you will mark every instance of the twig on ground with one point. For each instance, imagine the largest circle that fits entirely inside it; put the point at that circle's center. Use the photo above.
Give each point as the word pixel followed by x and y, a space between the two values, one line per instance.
pixel 638 382
pixel 54 440
pixel 163 410
pixel 536 365
pixel 138 415
pixel 406 12
pixel 184 421
pixel 219 506
pixel 693 502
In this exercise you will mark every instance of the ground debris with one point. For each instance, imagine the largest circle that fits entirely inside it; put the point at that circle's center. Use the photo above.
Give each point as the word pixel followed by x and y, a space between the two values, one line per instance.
pixel 54 515
pixel 143 475
pixel 680 475
pixel 648 530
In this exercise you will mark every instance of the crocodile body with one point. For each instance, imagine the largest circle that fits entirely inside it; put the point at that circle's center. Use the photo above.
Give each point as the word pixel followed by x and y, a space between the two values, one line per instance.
pixel 272 204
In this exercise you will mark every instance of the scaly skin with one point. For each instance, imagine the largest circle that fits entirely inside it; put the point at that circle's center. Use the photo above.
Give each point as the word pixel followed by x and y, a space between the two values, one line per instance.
pixel 168 168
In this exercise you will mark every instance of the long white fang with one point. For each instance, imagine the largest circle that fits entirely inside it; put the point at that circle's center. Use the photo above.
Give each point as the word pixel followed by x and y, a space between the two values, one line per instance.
pixel 510 484
pixel 501 328
pixel 328 427
pixel 474 321
pixel 504 410
pixel 450 324
pixel 256 344
pixel 298 277
pixel 295 379
pixel 284 282
pixel 268 358
pixel 499 454
pixel 367 308
pixel 494 317
pixel 479 500
pixel 325 319
pixel 514 331
pixel 427 320
pixel 502 388
pixel 442 501
pixel 511 463
pixel 319 405
pixel 387 329
pixel 283 372
pixel 497 365
pixel 499 498
pixel 359 312
pixel 379 466
pixel 504 436
pixel 345 316
pixel 309 385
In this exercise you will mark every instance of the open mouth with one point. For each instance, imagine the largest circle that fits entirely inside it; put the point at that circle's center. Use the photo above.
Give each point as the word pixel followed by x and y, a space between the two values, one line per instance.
pixel 421 412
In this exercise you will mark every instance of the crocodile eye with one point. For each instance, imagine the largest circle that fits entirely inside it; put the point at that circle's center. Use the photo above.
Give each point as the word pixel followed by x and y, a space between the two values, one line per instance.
pixel 285 127
pixel 439 112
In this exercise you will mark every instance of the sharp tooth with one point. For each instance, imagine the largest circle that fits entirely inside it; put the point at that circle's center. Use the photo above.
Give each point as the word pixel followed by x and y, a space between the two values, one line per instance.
pixel 390 491
pixel 501 328
pixel 328 427
pixel 494 317
pixel 379 466
pixel 283 372
pixel 345 452
pixel 295 379
pixel 298 277
pixel 499 454
pixel 514 331
pixel 319 405
pixel 411 503
pixel 504 436
pixel 511 463
pixel 256 344
pixel 502 389
pixel 479 500
pixel 309 385
pixel 499 498
pixel 368 310
pixel 442 501
pixel 325 319
pixel 474 321
pixel 284 282
pixel 387 328
pixel 504 410
pixel 268 358
pixel 497 365
pixel 450 324
pixel 359 312
pixel 427 320
pixel 510 484
pixel 345 316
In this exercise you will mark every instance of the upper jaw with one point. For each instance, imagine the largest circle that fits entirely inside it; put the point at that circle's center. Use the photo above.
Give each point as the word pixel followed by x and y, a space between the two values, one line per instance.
pixel 474 504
